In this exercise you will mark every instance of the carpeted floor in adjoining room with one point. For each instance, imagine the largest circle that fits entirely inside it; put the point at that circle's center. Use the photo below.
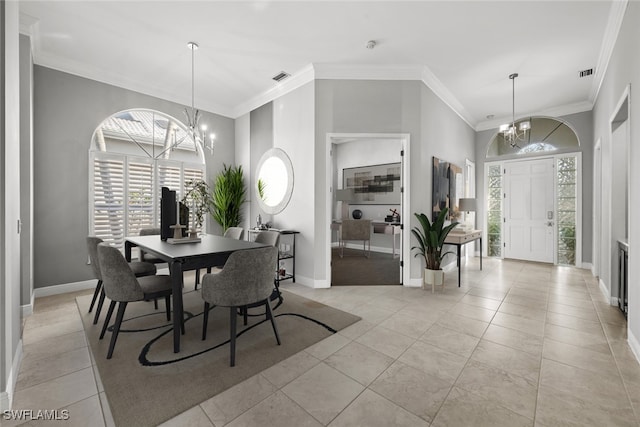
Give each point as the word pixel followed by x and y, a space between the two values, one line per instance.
pixel 356 269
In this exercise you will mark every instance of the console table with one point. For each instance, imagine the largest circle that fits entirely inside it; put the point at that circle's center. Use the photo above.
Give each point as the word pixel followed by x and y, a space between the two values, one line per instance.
pixel 462 238
pixel 391 228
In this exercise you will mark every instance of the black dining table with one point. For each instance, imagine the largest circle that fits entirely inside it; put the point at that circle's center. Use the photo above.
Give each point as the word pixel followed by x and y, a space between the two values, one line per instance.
pixel 208 252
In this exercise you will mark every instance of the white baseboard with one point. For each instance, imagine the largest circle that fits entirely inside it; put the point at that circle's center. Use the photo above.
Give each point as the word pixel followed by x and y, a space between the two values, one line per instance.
pixel 380 249
pixel 65 288
pixel 414 283
pixel 634 344
pixel 27 310
pixel 587 266
pixel 604 290
pixel 6 397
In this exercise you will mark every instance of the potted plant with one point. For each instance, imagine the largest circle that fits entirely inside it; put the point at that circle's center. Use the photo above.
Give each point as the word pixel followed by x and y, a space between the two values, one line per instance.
pixel 198 199
pixel 430 237
pixel 228 196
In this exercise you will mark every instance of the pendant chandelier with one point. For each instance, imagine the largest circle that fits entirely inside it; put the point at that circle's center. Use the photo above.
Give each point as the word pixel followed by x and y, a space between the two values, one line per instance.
pixel 511 133
pixel 197 132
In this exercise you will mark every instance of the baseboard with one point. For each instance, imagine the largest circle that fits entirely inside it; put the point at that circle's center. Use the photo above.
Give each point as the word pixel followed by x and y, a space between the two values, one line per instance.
pixel 6 397
pixel 65 288
pixel 604 290
pixel 634 344
pixel 380 249
pixel 587 266
pixel 414 283
pixel 27 310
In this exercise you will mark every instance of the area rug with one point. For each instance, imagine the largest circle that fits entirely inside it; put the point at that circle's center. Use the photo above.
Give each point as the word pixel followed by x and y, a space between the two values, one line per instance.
pixel 147 384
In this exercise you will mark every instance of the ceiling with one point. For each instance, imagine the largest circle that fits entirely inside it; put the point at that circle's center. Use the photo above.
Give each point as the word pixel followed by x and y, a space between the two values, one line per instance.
pixel 463 50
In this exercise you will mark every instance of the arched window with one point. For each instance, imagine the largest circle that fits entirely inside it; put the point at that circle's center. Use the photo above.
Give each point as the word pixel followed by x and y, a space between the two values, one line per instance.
pixel 547 135
pixel 134 154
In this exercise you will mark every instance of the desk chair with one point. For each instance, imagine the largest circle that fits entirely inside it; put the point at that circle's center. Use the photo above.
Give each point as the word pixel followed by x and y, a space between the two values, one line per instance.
pixel 356 229
pixel 245 279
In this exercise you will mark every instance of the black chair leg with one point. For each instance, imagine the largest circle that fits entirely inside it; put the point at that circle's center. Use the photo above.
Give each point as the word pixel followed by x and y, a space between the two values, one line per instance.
pixel 155 303
pixel 246 314
pixel 273 321
pixel 205 317
pixel 116 329
pixel 197 278
pixel 167 301
pixel 95 295
pixel 232 331
pixel 107 319
pixel 99 308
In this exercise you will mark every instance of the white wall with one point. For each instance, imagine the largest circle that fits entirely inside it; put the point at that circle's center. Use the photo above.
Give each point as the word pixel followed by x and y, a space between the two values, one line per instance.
pixel 293 132
pixel 10 324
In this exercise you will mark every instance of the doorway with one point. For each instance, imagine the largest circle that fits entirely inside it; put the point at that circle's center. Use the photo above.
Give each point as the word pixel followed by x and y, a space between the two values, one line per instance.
pixel 362 156
pixel 529 210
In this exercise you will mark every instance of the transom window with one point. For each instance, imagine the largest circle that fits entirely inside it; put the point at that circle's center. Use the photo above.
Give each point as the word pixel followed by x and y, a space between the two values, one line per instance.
pixel 133 155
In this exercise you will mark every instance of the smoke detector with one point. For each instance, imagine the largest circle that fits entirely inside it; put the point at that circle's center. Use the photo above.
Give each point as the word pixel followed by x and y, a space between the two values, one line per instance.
pixel 371 44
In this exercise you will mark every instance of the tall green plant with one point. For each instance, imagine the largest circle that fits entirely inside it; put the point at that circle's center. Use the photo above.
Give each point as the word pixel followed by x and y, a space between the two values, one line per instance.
pixel 228 196
pixel 430 237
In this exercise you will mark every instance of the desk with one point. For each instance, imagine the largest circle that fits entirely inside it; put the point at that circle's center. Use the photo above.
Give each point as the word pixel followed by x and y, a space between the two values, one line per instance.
pixel 212 250
pixel 459 239
pixel 392 228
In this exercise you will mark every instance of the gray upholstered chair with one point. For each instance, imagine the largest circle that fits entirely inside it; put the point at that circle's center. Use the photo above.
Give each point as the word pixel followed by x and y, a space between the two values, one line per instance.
pixel 123 287
pixel 356 229
pixel 270 237
pixel 245 279
pixel 144 256
pixel 234 233
pixel 231 233
pixel 139 269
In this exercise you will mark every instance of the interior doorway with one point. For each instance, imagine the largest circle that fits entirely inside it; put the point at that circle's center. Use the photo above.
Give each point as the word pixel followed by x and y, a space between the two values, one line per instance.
pixel 373 170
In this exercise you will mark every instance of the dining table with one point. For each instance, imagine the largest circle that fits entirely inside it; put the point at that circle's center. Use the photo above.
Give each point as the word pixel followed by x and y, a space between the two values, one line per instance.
pixel 205 252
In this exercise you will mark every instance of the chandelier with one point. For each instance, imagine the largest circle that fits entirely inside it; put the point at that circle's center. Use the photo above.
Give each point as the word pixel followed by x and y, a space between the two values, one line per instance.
pixel 511 133
pixel 198 133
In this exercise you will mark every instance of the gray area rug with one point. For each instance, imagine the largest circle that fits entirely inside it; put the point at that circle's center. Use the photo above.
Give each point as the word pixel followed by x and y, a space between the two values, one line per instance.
pixel 355 269
pixel 147 384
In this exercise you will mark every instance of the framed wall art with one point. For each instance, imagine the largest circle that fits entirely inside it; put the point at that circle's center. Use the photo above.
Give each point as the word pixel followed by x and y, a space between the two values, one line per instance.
pixel 447 189
pixel 373 185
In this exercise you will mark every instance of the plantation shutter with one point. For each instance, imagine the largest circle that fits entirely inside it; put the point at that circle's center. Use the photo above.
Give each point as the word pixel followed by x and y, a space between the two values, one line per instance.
pixel 169 175
pixel 140 203
pixel 108 198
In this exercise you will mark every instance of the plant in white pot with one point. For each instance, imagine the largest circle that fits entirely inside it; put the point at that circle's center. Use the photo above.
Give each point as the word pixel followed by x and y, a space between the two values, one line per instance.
pixel 430 237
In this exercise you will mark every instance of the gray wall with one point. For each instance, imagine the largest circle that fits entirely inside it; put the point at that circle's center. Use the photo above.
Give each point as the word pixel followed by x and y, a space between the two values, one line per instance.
pixel 26 168
pixel 624 70
pixel 582 124
pixel 261 139
pixel 351 106
pixel 67 110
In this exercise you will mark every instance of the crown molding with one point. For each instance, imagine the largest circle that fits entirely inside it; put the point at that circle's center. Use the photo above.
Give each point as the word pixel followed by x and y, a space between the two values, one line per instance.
pixel 562 110
pixel 300 78
pixel 440 90
pixel 614 23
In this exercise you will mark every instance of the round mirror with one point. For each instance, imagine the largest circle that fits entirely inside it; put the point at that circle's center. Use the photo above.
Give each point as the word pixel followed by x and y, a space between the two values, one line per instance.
pixel 274 181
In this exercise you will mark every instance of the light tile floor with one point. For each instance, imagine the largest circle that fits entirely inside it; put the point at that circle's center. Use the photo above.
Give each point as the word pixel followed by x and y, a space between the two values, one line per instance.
pixel 520 344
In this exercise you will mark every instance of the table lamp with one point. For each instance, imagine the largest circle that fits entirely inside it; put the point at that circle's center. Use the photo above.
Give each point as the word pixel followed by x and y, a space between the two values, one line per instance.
pixel 467 205
pixel 345 196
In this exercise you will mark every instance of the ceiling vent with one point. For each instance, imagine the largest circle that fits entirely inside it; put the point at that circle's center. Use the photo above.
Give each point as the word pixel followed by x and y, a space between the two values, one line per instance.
pixel 585 73
pixel 281 76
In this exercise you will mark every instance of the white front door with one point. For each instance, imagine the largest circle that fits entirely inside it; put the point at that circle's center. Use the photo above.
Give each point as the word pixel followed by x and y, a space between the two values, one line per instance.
pixel 529 210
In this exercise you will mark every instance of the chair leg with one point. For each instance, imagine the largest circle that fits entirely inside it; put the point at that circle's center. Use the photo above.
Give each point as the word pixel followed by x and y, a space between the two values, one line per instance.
pixel 205 320
pixel 232 332
pixel 99 308
pixel 167 301
pixel 273 321
pixel 155 303
pixel 197 278
pixel 95 295
pixel 245 311
pixel 116 329
pixel 107 319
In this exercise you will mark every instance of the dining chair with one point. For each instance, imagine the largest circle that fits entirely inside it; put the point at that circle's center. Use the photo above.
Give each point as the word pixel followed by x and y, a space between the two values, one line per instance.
pixel 231 233
pixel 245 279
pixel 152 231
pixel 138 268
pixel 122 286
pixel 356 229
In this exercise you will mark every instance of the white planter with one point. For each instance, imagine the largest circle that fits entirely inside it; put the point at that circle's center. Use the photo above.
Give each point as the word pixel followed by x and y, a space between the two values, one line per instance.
pixel 433 278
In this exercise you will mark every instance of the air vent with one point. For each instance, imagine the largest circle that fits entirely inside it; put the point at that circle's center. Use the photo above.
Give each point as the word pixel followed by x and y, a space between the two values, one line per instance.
pixel 585 73
pixel 281 76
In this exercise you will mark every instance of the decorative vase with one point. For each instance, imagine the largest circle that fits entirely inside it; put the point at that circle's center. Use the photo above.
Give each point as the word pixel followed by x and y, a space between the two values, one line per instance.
pixel 433 278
